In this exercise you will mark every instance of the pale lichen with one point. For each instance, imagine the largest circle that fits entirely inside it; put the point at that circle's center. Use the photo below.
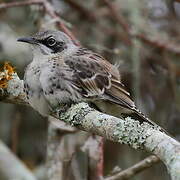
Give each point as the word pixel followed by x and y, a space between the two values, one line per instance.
pixel 97 122
pixel 75 113
pixel 15 86
pixel 133 133
pixel 168 149
pixel 128 131
pixel 11 87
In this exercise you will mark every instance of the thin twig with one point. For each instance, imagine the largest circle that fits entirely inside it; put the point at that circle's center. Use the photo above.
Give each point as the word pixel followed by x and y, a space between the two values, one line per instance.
pixel 159 44
pixel 82 10
pixel 127 30
pixel 119 19
pixel 139 167
pixel 20 3
pixel 49 9
pixel 117 16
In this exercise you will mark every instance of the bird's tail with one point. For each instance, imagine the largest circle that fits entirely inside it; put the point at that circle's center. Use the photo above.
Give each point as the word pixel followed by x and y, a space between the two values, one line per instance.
pixel 139 116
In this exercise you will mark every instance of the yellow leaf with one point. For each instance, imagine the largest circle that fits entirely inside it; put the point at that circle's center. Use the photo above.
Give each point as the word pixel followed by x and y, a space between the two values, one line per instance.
pixel 6 74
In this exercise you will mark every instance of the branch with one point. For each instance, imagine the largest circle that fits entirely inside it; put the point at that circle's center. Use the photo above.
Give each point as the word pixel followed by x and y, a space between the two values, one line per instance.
pixel 93 148
pixel 82 10
pixel 127 131
pixel 11 167
pixel 21 3
pixel 173 48
pixel 49 9
pixel 120 20
pixel 71 152
pixel 130 172
pixel 60 149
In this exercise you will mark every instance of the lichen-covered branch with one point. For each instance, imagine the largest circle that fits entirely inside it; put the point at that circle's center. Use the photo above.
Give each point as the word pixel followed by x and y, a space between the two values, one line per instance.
pixel 126 131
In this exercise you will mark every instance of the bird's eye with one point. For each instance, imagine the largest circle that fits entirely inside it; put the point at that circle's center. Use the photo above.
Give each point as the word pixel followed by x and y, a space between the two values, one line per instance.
pixel 51 41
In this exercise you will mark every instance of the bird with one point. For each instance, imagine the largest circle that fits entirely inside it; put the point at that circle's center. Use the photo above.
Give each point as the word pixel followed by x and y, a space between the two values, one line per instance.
pixel 62 72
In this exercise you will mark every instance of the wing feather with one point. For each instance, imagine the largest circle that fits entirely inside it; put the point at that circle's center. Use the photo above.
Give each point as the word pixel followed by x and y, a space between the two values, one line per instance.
pixel 99 79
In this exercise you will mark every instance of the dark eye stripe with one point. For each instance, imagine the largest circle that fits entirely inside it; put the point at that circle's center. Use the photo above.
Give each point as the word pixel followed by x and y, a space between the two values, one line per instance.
pixel 58 46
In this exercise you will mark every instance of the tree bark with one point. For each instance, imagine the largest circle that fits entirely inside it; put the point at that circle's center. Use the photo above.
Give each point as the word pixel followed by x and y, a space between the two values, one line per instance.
pixel 128 131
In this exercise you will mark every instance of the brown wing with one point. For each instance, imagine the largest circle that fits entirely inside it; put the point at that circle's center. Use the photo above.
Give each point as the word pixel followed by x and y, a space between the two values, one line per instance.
pixel 97 78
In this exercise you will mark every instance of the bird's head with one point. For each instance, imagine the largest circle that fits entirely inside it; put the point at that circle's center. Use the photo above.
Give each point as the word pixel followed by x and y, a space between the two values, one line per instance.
pixel 48 42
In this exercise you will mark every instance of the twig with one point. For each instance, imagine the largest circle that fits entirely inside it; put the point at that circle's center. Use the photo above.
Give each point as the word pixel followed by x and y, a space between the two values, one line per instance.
pixel 48 9
pixel 159 44
pixel 117 17
pixel 155 43
pixel 140 166
pixel 60 139
pixel 82 10
pixel 20 3
pixel 51 11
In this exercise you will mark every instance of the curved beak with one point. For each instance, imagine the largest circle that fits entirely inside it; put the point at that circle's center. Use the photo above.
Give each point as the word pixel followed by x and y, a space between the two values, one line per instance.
pixel 29 40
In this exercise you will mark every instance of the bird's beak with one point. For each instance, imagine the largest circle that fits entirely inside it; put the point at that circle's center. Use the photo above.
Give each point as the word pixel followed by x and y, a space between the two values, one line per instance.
pixel 29 40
